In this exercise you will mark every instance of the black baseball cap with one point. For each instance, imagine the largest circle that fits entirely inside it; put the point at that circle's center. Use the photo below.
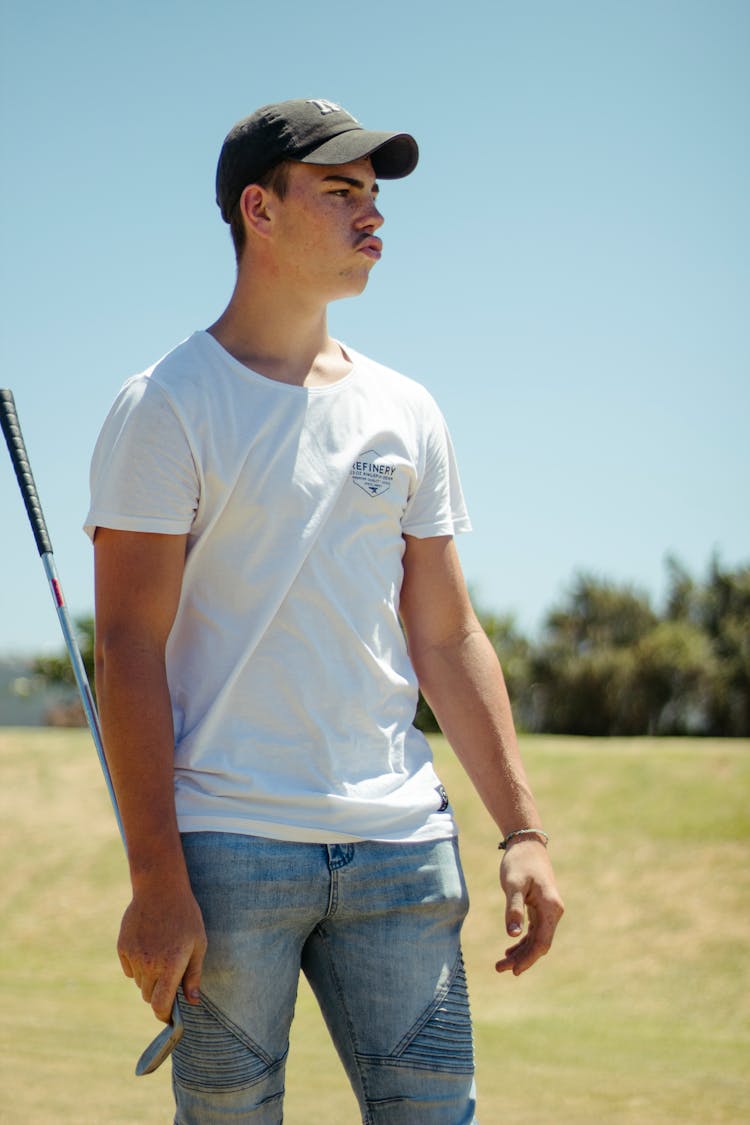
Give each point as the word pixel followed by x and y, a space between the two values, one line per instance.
pixel 312 131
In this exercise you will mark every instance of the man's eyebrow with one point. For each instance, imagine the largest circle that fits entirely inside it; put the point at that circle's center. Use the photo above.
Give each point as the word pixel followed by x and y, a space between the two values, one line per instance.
pixel 351 181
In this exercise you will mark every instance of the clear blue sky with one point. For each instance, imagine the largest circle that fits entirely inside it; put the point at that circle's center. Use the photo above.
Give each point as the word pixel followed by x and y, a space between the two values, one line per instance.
pixel 567 270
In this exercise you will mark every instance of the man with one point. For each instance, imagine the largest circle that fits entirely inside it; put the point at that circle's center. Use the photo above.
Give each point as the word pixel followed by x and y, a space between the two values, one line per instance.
pixel 273 517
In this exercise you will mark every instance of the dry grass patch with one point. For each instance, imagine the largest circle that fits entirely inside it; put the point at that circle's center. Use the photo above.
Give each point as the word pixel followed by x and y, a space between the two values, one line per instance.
pixel 639 1015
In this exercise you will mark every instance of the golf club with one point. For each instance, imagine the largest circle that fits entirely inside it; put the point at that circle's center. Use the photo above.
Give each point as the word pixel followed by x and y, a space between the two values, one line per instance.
pixel 162 1045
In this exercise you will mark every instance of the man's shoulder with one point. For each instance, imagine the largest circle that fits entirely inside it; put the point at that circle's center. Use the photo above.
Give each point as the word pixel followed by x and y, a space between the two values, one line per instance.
pixel 177 376
pixel 387 378
pixel 183 359
pixel 166 385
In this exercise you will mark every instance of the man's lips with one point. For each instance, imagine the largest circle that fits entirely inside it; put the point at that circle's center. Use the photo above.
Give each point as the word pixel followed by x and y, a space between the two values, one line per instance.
pixel 371 247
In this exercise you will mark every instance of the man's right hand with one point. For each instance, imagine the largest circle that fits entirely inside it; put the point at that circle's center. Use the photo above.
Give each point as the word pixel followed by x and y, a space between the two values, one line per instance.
pixel 162 943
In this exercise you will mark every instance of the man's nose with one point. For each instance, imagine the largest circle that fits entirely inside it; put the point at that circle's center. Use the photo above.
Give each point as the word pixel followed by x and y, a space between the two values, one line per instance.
pixel 371 219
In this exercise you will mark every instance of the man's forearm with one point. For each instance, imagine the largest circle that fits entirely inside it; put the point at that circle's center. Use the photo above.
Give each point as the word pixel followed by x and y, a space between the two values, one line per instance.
pixel 463 683
pixel 138 736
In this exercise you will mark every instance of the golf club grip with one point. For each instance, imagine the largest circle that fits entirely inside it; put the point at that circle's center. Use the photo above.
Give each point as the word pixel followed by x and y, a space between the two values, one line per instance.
pixel 24 476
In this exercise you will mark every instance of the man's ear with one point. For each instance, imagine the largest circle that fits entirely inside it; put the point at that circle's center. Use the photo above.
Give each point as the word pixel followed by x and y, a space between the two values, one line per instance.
pixel 255 204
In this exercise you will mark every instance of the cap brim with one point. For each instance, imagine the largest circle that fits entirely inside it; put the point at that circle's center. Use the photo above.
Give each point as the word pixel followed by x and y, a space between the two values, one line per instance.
pixel 394 155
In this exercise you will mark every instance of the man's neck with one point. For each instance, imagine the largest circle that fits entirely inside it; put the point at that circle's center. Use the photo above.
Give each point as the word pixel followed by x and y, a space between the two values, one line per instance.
pixel 283 340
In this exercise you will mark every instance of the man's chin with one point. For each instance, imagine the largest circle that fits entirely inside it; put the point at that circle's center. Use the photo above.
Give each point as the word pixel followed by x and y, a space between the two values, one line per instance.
pixel 353 286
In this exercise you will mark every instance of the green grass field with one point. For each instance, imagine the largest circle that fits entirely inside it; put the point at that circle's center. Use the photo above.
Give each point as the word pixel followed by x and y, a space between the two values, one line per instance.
pixel 640 1014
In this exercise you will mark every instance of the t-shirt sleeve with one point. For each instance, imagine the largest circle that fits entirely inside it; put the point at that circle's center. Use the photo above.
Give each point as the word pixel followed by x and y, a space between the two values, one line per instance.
pixel 143 473
pixel 437 506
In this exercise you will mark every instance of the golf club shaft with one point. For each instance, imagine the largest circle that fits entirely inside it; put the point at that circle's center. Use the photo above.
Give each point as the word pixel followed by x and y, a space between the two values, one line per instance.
pixel 19 457
pixel 82 680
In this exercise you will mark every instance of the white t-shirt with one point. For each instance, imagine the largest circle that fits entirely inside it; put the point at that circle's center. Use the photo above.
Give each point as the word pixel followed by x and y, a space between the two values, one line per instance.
pixel 292 692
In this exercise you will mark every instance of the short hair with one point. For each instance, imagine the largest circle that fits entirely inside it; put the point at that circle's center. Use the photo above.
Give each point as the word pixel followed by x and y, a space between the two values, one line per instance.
pixel 276 179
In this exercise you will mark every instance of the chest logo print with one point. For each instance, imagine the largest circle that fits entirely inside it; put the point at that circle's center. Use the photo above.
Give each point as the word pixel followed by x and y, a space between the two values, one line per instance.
pixel 371 474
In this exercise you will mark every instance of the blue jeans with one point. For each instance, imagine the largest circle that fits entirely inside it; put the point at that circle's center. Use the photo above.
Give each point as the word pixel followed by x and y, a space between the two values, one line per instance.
pixel 375 928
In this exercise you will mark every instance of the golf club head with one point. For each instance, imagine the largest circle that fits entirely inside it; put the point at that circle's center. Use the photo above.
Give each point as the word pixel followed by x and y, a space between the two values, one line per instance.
pixel 161 1047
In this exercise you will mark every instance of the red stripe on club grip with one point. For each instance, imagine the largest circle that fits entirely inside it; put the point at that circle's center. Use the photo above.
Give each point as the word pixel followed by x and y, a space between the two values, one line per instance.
pixel 58 593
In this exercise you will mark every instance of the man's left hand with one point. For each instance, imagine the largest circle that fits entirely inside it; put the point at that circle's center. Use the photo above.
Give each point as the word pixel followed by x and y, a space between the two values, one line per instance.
pixel 528 881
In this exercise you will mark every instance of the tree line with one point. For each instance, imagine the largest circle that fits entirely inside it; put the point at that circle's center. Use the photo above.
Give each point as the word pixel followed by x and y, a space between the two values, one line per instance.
pixel 606 661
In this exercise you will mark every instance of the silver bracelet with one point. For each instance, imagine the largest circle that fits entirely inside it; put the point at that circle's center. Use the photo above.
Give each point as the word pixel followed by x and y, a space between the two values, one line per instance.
pixel 540 835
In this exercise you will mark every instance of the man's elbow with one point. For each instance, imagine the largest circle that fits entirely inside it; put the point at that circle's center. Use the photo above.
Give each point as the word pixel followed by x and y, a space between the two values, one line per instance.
pixel 123 652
